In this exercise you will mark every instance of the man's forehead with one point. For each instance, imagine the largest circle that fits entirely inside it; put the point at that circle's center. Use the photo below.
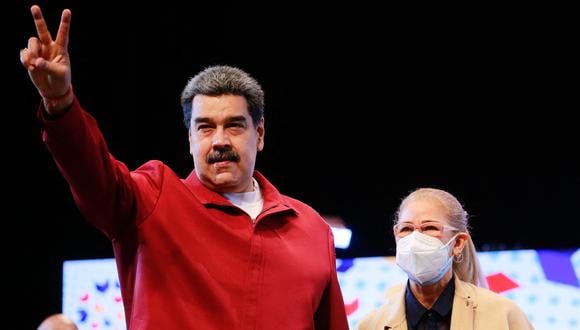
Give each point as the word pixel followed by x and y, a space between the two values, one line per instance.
pixel 214 106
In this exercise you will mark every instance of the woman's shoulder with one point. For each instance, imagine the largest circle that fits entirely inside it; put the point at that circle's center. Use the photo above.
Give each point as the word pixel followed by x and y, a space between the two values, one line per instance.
pixel 392 310
pixel 497 306
pixel 485 298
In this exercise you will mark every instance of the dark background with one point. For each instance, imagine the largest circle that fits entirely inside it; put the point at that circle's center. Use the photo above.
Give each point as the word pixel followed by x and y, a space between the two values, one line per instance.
pixel 363 104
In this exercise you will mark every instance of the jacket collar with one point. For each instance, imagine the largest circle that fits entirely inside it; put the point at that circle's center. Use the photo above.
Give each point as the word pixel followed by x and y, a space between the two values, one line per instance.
pixel 395 300
pixel 463 309
pixel 273 200
pixel 464 304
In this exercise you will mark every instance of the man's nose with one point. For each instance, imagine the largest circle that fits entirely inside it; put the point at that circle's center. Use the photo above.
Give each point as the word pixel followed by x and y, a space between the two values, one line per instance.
pixel 220 138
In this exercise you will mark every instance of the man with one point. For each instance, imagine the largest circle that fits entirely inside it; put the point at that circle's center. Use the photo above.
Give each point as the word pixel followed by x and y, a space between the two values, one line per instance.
pixel 221 249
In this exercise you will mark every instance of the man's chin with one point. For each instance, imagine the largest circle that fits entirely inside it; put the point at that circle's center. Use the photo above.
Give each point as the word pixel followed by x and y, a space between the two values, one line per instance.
pixel 224 182
pixel 224 178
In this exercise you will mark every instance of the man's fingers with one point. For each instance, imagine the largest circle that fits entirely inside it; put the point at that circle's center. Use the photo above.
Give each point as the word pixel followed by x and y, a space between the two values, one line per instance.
pixel 34 47
pixel 62 35
pixel 41 27
pixel 48 67
pixel 25 59
pixel 42 64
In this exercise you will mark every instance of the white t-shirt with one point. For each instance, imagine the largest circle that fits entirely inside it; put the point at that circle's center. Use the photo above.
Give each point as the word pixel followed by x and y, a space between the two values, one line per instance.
pixel 250 202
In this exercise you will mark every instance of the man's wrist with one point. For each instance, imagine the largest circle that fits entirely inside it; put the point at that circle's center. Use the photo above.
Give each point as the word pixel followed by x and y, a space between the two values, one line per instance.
pixel 56 106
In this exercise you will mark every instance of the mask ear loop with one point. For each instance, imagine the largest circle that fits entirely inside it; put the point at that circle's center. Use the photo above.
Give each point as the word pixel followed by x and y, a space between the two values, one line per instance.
pixel 452 238
pixel 457 258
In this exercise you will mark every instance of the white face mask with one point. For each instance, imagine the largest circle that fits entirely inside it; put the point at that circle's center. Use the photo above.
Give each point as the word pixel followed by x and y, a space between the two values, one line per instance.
pixel 424 258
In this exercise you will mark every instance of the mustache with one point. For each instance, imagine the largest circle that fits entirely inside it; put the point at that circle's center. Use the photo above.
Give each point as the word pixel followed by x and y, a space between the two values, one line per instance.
pixel 223 156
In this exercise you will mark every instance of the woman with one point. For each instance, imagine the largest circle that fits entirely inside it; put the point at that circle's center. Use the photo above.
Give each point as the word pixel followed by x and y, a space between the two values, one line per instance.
pixel 446 287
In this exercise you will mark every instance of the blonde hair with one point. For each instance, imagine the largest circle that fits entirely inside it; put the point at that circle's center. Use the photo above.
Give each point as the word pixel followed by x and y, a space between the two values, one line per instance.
pixel 469 268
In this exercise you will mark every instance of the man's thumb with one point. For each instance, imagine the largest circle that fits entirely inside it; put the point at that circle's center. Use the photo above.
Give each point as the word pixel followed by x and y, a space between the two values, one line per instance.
pixel 44 65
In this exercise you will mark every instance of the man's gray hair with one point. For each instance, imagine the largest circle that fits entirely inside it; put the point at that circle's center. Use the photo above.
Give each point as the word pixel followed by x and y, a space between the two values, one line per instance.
pixel 223 80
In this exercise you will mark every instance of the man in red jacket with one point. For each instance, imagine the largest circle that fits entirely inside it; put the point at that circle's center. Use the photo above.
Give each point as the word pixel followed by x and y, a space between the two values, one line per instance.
pixel 221 249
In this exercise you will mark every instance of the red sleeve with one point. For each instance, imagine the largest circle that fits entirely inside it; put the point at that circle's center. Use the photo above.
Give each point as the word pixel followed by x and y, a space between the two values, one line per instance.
pixel 331 313
pixel 103 188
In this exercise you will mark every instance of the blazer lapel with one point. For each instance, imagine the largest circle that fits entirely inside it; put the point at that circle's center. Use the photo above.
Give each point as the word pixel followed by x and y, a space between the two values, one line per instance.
pixel 464 306
pixel 395 320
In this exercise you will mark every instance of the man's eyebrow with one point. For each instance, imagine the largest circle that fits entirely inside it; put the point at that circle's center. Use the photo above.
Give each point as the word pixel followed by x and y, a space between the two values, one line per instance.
pixel 235 118
pixel 202 120
pixel 232 119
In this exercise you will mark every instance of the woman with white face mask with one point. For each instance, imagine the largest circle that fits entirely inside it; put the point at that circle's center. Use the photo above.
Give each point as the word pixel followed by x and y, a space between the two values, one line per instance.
pixel 446 288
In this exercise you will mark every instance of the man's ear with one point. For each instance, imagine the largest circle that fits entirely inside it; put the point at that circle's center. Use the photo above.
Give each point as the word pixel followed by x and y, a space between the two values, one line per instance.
pixel 190 146
pixel 261 131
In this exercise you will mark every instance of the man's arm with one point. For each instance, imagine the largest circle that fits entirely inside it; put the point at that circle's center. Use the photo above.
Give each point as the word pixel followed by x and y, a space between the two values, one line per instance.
pixel 103 188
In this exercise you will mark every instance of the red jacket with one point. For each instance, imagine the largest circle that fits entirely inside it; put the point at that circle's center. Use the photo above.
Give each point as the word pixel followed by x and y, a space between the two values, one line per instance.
pixel 189 259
